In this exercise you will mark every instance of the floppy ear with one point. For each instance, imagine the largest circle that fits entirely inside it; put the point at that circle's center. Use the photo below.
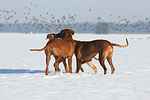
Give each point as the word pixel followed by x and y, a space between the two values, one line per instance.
pixel 50 36
pixel 72 32
pixel 47 36
pixel 63 34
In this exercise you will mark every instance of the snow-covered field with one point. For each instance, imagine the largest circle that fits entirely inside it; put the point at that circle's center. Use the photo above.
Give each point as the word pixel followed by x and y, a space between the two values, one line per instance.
pixel 22 73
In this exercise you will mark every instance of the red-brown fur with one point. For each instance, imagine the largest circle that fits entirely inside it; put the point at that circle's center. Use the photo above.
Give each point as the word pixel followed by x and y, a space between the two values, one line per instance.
pixel 85 51
pixel 60 49
pixel 62 35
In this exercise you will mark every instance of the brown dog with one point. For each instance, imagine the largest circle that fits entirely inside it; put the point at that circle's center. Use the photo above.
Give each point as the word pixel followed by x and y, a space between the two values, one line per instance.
pixel 52 36
pixel 85 51
pixel 60 49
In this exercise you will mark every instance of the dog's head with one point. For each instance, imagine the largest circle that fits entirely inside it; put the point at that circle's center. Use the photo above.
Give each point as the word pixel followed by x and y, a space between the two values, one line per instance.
pixel 51 36
pixel 66 34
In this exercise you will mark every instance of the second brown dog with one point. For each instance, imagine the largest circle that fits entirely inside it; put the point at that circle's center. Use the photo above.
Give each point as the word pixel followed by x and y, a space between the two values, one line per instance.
pixel 85 51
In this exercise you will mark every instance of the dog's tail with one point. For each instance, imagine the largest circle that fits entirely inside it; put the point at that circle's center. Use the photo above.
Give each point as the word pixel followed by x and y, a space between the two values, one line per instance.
pixel 38 49
pixel 122 46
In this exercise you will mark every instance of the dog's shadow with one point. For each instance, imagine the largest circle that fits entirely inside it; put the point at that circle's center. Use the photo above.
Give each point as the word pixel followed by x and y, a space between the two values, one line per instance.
pixel 19 71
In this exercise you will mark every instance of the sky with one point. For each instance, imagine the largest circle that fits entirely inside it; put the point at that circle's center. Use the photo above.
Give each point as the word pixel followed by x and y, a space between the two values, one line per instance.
pixel 82 10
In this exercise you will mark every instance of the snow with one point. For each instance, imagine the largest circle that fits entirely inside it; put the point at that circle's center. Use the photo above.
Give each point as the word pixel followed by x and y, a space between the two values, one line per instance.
pixel 22 73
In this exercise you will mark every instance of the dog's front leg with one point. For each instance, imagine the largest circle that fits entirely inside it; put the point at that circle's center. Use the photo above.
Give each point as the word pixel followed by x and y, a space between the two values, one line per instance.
pixel 78 65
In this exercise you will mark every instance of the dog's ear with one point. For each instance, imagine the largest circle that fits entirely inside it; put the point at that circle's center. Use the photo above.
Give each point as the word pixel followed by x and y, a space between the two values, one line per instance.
pixel 63 34
pixel 47 36
pixel 50 36
pixel 72 32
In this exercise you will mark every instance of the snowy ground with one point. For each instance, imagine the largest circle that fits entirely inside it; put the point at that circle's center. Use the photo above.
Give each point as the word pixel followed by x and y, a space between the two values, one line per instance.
pixel 22 73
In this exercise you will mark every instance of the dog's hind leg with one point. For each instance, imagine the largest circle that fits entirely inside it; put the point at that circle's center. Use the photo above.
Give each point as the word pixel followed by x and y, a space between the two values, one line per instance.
pixel 92 66
pixel 109 59
pixel 65 65
pixel 102 62
pixel 56 64
pixel 48 57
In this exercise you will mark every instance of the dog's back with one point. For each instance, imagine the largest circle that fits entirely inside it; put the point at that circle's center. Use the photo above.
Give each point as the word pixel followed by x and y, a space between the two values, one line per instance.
pixel 66 47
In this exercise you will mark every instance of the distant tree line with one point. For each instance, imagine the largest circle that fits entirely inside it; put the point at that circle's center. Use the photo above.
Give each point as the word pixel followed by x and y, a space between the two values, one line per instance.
pixel 86 27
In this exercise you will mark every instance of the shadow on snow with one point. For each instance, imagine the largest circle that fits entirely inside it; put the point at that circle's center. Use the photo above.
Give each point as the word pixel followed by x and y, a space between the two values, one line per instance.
pixel 19 71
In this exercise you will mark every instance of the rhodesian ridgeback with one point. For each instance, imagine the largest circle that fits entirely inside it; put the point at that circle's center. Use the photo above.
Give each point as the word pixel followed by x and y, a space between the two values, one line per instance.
pixel 60 49
pixel 85 51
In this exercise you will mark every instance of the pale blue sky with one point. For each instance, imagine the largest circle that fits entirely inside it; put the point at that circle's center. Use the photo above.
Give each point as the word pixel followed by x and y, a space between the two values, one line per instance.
pixel 103 8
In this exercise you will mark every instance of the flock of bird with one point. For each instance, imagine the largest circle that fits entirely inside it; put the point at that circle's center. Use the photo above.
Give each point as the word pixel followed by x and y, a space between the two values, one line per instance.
pixel 50 24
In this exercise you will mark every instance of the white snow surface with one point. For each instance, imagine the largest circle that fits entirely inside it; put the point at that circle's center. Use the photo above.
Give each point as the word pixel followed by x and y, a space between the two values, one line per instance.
pixel 22 72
